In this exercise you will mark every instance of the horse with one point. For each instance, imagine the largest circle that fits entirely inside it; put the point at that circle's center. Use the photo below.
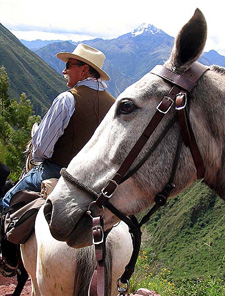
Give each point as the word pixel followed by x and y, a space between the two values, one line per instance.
pixel 56 269
pixel 21 272
pixel 97 167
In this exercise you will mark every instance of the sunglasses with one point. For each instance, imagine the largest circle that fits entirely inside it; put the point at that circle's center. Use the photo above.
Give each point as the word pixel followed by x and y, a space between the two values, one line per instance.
pixel 69 65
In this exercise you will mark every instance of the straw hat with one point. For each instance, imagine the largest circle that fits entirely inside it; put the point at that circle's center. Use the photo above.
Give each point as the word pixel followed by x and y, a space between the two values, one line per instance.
pixel 89 55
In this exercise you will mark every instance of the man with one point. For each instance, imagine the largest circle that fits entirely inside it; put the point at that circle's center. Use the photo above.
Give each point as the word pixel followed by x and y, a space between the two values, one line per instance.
pixel 72 118
pixel 67 126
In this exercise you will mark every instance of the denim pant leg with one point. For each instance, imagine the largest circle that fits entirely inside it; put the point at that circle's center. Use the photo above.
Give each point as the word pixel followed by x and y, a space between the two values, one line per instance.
pixel 31 181
pixel 50 170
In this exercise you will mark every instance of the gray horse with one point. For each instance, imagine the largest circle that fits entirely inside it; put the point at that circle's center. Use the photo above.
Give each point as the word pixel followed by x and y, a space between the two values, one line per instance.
pixel 103 155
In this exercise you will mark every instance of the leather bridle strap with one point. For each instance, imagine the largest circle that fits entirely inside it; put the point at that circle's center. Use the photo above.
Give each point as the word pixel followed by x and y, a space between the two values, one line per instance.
pixel 162 109
pixel 186 81
pixel 99 243
pixel 187 133
pixel 182 84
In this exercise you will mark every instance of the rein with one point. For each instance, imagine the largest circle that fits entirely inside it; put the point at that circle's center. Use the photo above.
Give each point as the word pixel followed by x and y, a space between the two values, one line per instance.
pixel 181 85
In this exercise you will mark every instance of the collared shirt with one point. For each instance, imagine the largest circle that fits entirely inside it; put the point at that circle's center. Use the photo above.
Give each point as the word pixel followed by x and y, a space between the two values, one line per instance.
pixel 57 119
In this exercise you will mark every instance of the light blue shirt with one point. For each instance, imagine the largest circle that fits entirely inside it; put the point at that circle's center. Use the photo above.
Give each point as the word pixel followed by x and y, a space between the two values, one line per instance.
pixel 57 119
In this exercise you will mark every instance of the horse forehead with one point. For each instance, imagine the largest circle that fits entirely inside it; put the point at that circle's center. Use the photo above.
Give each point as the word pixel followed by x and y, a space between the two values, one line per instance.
pixel 149 85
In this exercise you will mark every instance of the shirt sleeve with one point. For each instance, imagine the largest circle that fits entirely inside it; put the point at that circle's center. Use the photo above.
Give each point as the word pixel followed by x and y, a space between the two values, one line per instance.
pixel 52 126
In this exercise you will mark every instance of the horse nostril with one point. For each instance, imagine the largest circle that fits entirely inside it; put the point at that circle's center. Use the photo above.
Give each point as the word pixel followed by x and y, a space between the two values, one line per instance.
pixel 48 211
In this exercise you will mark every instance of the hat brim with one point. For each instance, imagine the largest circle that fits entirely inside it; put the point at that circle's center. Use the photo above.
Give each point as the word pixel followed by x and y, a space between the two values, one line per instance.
pixel 65 56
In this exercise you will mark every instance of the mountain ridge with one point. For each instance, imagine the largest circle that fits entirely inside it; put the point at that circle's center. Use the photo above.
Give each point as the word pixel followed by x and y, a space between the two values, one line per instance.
pixel 128 57
pixel 28 73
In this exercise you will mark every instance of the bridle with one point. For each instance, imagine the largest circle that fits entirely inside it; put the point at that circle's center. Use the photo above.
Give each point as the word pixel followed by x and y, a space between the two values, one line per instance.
pixel 182 85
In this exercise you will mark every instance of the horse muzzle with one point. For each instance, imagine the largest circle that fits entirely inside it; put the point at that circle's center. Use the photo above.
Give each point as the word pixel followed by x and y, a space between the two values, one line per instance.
pixel 75 232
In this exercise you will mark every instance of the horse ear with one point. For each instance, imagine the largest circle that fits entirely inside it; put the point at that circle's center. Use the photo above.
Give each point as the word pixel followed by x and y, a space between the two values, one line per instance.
pixel 189 42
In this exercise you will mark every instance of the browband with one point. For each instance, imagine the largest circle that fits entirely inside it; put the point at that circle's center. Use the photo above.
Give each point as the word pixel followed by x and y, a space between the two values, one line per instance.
pixel 186 80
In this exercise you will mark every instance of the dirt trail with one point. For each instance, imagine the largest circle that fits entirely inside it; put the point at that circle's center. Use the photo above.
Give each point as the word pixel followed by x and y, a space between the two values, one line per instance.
pixel 7 286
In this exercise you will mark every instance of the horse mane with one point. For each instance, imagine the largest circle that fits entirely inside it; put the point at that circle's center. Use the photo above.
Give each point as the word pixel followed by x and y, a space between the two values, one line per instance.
pixel 218 69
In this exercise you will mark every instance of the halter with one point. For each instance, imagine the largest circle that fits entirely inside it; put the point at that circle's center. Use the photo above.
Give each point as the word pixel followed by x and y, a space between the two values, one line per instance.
pixel 181 85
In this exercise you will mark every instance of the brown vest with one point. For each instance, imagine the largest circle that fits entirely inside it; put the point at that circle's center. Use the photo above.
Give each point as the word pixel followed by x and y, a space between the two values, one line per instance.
pixel 90 108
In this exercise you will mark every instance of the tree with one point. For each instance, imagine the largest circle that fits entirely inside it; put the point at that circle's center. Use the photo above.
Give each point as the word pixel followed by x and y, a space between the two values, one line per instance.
pixel 16 121
pixel 4 86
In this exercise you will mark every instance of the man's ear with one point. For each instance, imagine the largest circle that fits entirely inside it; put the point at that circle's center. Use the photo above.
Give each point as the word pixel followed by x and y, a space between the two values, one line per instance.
pixel 85 69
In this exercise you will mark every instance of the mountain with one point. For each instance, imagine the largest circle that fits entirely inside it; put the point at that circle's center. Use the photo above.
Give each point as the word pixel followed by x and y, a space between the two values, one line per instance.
pixel 28 73
pixel 213 57
pixel 128 57
pixel 38 43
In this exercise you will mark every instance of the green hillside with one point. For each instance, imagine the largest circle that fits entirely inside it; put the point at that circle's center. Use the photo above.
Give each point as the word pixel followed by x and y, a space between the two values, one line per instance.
pixel 187 236
pixel 28 73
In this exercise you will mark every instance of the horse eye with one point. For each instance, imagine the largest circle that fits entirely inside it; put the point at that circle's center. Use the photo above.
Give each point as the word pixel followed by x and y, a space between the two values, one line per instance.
pixel 126 107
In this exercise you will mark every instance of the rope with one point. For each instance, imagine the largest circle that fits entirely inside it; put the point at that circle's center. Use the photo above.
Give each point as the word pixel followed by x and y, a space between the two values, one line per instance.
pixel 77 183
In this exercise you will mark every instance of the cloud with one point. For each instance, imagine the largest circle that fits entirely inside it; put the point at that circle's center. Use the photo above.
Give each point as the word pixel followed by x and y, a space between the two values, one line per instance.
pixel 93 19
pixel 33 35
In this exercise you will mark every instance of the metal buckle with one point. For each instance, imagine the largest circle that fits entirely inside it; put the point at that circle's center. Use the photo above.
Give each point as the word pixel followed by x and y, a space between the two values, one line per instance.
pixel 105 193
pixel 122 290
pixel 97 228
pixel 184 95
pixel 168 99
pixel 89 212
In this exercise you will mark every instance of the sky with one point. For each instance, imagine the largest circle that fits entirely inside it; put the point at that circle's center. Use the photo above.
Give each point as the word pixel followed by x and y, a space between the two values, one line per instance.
pixel 80 20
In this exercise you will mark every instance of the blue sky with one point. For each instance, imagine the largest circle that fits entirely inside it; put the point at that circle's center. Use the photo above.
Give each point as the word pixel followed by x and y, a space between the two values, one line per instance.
pixel 82 20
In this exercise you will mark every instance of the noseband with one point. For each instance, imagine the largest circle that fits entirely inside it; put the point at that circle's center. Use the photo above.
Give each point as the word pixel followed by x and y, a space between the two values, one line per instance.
pixel 182 85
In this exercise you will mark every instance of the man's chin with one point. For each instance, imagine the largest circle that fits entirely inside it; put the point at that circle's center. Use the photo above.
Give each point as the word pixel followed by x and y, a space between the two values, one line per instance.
pixel 70 84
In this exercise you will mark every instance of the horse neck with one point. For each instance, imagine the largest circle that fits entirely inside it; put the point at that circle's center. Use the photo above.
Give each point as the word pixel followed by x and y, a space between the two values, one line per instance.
pixel 211 130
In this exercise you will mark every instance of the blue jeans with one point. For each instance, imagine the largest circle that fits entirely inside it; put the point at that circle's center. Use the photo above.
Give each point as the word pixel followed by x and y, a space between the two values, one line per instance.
pixel 32 180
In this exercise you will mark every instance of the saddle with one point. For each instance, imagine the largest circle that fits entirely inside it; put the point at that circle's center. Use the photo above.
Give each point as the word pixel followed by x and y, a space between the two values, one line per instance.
pixel 19 219
pixel 17 223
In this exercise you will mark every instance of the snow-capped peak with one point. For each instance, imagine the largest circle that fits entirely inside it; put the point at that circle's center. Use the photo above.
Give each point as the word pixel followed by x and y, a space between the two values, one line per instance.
pixel 145 28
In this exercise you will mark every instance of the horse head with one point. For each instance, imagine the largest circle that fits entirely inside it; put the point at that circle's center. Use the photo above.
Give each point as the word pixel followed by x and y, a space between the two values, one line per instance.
pixel 99 161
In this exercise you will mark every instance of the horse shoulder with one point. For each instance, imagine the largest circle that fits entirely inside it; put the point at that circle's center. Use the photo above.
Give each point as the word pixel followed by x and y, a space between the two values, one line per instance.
pixel 50 263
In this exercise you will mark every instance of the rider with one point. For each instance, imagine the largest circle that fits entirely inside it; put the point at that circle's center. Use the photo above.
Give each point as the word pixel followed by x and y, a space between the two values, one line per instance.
pixel 71 120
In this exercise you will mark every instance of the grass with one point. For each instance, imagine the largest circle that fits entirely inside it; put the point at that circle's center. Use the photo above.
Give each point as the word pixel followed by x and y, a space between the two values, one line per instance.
pixel 165 285
pixel 183 247
pixel 187 236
